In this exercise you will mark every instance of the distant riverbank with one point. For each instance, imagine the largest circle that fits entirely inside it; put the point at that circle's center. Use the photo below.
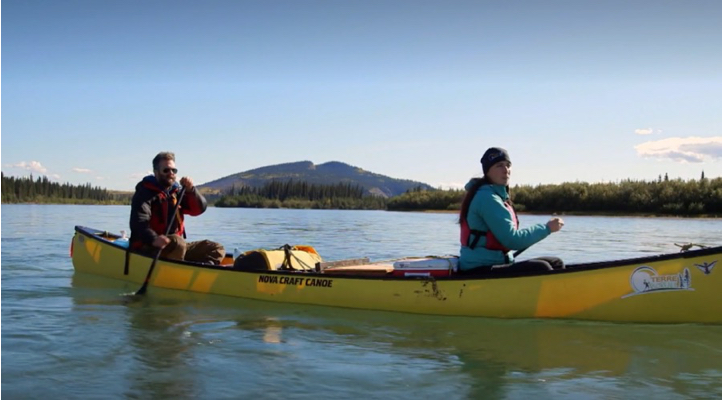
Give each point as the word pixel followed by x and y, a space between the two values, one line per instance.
pixel 87 202
pixel 662 198
pixel 693 198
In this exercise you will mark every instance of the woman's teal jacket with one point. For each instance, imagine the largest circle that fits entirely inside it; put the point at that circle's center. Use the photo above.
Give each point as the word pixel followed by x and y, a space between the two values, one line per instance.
pixel 487 212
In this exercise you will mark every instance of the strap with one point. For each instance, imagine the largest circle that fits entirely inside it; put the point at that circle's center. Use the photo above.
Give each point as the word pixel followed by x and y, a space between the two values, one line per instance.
pixel 287 259
pixel 127 260
pixel 171 208
pixel 478 234
pixel 178 217
pixel 288 253
pixel 300 262
pixel 178 221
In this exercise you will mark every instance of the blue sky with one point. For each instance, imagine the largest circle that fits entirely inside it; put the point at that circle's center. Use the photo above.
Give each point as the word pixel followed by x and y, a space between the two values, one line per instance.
pixel 574 90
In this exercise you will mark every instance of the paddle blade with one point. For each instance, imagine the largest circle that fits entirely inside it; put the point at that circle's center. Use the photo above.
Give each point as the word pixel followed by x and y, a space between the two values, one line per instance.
pixel 142 290
pixel 132 298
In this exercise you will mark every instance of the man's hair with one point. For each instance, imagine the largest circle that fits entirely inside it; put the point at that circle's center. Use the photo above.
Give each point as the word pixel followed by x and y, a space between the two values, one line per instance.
pixel 163 155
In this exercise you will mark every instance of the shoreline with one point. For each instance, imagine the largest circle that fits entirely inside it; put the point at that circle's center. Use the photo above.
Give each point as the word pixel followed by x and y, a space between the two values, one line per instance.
pixel 562 214
pixel 583 214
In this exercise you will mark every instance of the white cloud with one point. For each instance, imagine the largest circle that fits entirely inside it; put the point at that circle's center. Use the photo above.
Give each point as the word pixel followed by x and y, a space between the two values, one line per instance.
pixel 81 170
pixel 691 149
pixel 647 131
pixel 140 175
pixel 33 166
pixel 451 185
pixel 54 176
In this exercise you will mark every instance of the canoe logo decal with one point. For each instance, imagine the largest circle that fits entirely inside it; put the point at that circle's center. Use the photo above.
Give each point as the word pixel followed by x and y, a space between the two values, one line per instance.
pixel 645 280
pixel 295 281
pixel 706 267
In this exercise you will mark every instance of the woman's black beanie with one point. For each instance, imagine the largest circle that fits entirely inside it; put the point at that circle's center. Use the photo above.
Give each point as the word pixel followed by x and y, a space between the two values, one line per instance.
pixel 492 156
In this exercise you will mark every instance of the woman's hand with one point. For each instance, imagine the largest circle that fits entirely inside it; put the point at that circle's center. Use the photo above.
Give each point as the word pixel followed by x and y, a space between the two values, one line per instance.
pixel 555 224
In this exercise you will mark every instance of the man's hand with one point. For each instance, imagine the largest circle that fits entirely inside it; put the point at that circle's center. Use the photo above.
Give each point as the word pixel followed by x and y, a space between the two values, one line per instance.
pixel 161 241
pixel 187 183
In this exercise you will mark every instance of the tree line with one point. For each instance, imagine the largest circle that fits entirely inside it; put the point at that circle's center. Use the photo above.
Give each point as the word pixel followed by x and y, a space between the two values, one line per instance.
pixel 701 197
pixel 661 197
pixel 301 194
pixel 42 190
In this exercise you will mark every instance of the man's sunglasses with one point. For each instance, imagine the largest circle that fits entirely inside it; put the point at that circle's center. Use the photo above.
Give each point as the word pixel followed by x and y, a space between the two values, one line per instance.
pixel 169 170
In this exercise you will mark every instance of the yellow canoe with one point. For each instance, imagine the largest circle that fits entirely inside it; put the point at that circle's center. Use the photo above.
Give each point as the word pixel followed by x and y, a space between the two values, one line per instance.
pixel 672 288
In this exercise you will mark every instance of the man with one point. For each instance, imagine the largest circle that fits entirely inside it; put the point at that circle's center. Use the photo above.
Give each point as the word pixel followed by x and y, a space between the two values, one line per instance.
pixel 153 203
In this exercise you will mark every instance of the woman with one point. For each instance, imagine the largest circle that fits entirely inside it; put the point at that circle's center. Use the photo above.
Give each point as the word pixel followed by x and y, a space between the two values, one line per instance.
pixel 490 228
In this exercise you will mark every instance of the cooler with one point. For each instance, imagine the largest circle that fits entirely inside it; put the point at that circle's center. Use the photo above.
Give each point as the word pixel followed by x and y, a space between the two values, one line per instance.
pixel 429 266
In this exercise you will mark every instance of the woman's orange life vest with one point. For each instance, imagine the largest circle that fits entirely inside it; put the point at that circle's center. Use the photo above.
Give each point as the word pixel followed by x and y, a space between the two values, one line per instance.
pixel 492 243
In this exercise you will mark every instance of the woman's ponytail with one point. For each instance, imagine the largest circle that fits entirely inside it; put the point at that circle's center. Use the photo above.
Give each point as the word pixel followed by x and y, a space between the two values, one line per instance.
pixel 477 183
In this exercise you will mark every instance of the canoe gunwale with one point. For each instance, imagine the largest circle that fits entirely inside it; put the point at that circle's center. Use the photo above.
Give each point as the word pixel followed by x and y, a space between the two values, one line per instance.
pixel 103 236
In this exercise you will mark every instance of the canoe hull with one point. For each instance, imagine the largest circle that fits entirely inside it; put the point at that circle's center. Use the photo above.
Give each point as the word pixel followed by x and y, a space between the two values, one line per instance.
pixel 666 289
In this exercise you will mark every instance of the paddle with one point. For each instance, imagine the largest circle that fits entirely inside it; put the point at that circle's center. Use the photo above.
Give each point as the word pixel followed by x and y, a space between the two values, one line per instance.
pixel 144 288
pixel 520 251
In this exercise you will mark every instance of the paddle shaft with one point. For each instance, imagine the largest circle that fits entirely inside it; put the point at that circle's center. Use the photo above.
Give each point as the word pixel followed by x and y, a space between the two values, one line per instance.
pixel 520 251
pixel 144 288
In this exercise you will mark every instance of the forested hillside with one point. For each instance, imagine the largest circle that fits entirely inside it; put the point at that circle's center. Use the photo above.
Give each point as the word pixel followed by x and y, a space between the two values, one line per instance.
pixel 292 194
pixel 323 174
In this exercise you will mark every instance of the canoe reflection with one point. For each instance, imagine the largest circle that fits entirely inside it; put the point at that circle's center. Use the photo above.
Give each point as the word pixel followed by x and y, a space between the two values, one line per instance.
pixel 489 354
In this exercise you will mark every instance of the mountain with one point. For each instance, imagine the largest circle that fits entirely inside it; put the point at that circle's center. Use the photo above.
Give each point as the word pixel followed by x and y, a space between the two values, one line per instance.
pixel 327 173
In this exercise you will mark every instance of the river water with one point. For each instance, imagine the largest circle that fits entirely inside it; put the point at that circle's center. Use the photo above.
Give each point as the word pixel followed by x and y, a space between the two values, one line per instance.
pixel 67 335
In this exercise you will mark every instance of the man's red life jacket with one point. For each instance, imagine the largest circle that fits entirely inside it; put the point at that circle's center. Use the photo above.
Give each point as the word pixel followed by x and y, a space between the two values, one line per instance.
pixel 160 212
